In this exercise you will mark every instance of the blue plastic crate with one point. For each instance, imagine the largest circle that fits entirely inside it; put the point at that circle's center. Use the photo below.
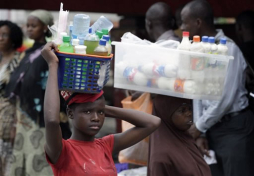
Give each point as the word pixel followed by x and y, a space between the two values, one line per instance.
pixel 83 73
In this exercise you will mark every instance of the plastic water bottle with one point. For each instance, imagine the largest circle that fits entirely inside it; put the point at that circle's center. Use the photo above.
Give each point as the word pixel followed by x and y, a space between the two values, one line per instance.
pixel 222 47
pixel 108 46
pixel 91 42
pixel 102 23
pixel 205 44
pixel 101 50
pixel 66 46
pixel 81 23
pixel 213 46
pixel 184 59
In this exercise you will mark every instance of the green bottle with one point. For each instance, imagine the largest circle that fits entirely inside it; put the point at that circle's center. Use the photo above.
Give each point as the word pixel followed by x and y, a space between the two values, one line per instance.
pixel 99 34
pixel 66 46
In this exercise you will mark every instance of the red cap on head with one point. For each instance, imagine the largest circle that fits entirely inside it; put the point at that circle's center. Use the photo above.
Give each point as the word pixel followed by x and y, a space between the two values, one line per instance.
pixel 186 34
pixel 71 98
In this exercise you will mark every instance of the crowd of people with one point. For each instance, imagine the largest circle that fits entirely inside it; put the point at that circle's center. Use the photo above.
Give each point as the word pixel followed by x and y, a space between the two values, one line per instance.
pixel 35 137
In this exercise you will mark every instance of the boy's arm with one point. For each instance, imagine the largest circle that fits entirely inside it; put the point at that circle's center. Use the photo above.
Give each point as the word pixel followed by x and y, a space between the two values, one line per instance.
pixel 53 145
pixel 144 123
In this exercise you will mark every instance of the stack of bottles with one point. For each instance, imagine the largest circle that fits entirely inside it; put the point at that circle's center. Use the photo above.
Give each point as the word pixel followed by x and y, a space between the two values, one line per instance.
pixel 83 39
pixel 191 74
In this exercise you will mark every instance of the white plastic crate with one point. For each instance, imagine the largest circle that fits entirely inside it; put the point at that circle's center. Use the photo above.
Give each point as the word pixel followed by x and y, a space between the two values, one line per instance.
pixel 172 72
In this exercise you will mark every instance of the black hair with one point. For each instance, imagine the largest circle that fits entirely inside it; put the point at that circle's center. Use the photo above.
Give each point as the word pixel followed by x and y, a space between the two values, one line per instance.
pixel 74 105
pixel 246 18
pixel 203 10
pixel 48 33
pixel 161 13
pixel 16 34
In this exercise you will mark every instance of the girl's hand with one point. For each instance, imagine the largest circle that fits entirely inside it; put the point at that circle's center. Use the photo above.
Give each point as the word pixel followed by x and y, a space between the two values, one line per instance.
pixel 48 53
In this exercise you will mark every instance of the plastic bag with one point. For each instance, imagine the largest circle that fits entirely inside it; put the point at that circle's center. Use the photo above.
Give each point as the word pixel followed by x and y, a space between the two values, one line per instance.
pixel 138 153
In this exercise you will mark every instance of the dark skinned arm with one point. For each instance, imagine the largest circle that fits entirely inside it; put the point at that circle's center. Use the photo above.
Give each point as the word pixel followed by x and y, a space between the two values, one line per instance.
pixel 53 144
pixel 144 123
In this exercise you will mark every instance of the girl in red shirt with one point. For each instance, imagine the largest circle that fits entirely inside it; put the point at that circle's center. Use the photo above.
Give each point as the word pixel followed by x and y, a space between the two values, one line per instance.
pixel 82 154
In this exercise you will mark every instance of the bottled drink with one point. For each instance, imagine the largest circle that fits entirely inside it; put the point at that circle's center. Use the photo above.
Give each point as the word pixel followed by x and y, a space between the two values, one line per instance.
pixel 151 69
pixel 222 47
pixel 197 63
pixel 81 23
pixel 213 46
pixel 75 42
pixel 66 46
pixel 101 50
pixel 138 78
pixel 102 23
pixel 80 49
pixel 108 46
pixel 104 31
pixel 184 59
pixel 91 42
pixel 99 34
pixel 205 44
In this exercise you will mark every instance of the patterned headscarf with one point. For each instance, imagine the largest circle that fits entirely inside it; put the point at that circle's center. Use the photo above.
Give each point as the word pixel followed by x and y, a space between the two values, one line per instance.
pixel 43 15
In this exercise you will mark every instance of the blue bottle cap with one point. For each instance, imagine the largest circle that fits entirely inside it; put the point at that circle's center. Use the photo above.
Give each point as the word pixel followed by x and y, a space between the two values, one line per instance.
pixel 205 39
pixel 223 41
pixel 211 40
pixel 90 31
pixel 106 37
pixel 103 42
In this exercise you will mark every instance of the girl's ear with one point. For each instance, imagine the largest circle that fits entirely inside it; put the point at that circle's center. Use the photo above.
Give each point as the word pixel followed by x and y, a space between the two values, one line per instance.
pixel 69 113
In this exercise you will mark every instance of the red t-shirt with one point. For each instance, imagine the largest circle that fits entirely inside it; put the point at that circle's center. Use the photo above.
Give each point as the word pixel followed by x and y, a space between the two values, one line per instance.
pixel 80 158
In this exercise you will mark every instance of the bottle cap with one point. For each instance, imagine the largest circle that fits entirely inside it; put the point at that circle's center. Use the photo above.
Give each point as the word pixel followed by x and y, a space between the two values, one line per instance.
pixel 104 31
pixel 75 41
pixel 205 39
pixel 196 38
pixel 211 40
pixel 186 34
pixel 66 39
pixel 102 42
pixel 223 41
pixel 99 33
pixel 90 30
pixel 106 37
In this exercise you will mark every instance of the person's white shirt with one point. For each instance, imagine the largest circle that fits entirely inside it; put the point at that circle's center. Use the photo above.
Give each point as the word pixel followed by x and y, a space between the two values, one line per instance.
pixel 234 98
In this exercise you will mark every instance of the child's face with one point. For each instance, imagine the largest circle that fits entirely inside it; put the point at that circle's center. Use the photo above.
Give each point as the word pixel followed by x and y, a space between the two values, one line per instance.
pixel 182 118
pixel 88 118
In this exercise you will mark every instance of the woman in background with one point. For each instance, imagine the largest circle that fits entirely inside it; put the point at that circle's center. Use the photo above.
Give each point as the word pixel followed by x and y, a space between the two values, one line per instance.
pixel 27 85
pixel 11 37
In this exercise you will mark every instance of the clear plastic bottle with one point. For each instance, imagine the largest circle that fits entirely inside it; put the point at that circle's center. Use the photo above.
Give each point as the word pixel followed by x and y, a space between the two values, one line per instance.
pixel 108 46
pixel 222 47
pixel 81 23
pixel 66 46
pixel 102 23
pixel 213 46
pixel 91 42
pixel 101 50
